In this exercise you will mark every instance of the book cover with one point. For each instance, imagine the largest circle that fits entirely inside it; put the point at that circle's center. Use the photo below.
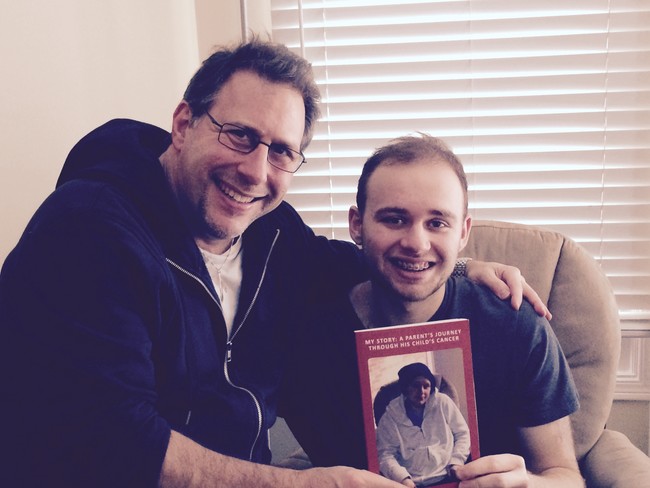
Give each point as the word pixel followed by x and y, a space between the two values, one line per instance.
pixel 444 347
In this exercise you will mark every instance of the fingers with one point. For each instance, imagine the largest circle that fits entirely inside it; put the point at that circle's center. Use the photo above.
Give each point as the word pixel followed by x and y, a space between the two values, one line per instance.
pixel 490 275
pixel 519 290
pixel 506 281
pixel 512 277
pixel 537 303
pixel 497 480
pixel 494 471
pixel 499 463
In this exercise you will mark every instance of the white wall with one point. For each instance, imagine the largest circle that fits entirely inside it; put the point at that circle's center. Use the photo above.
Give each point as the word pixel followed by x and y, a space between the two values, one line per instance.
pixel 71 65
pixel 220 22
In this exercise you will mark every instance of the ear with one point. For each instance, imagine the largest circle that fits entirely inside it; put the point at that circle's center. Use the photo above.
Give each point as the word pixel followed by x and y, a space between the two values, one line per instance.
pixel 355 225
pixel 181 121
pixel 464 236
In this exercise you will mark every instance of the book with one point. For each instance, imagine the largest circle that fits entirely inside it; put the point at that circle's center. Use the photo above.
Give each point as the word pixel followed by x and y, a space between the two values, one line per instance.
pixel 443 346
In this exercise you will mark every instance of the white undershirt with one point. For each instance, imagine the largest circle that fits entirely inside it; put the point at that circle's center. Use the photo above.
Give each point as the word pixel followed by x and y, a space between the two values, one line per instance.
pixel 226 273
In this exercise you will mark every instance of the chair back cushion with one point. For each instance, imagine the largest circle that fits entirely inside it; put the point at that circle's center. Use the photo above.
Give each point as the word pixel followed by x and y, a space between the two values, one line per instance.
pixel 585 314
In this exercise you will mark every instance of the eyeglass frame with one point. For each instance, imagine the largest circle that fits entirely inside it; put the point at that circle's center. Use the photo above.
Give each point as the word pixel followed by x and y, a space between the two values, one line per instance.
pixel 255 137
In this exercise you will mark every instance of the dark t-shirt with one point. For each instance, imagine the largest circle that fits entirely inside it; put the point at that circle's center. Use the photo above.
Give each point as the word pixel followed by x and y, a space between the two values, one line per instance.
pixel 521 376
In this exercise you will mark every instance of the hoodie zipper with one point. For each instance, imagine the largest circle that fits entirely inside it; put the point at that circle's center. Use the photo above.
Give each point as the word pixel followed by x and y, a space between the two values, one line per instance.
pixel 228 357
pixel 229 343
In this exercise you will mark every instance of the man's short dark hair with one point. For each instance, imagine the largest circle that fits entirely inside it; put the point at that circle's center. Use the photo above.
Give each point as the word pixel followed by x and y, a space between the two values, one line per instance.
pixel 409 149
pixel 271 61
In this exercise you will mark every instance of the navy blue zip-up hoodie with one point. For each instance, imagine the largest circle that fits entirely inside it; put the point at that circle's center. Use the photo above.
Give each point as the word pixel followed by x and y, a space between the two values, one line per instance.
pixel 111 333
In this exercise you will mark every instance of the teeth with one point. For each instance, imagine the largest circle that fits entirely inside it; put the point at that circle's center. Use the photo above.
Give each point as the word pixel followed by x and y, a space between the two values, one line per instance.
pixel 413 266
pixel 238 197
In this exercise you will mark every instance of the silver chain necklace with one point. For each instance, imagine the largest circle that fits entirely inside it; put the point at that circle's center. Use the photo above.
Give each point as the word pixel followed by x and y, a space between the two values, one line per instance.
pixel 211 259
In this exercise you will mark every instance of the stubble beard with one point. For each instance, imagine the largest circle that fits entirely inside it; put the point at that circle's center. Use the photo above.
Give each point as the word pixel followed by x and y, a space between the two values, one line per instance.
pixel 208 226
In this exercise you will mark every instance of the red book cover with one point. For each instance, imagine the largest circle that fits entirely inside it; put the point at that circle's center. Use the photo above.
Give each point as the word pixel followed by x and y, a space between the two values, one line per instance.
pixel 388 357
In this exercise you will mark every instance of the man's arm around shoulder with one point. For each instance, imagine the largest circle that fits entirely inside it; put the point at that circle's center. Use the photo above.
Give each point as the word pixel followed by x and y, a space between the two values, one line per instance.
pixel 550 461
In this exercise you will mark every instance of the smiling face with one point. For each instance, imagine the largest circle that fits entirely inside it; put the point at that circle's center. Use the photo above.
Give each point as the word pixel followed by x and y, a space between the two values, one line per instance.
pixel 413 226
pixel 418 391
pixel 221 191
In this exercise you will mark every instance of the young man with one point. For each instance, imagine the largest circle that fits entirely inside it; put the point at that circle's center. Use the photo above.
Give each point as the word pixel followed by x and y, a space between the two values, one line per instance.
pixel 145 312
pixel 411 221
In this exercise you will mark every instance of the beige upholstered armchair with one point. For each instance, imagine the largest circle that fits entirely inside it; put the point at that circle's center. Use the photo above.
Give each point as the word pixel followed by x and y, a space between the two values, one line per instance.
pixel 585 319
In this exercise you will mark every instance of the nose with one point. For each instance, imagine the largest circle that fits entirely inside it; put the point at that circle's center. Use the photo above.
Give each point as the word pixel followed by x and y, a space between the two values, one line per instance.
pixel 416 239
pixel 254 166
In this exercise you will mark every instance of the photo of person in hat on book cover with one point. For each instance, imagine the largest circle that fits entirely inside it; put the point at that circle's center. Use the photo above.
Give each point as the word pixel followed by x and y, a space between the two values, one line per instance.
pixel 422 435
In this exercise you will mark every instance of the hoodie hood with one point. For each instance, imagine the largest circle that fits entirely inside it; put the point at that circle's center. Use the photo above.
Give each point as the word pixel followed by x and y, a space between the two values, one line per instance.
pixel 124 155
pixel 111 151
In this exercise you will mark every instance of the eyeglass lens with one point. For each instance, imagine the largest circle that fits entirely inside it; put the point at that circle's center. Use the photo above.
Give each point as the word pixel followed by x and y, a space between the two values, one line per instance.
pixel 245 141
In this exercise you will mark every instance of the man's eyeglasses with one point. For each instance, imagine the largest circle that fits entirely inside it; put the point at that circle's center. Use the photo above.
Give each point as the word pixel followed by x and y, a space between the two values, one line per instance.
pixel 245 141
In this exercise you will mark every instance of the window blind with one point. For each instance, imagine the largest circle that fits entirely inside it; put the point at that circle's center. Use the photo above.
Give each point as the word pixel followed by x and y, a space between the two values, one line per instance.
pixel 546 102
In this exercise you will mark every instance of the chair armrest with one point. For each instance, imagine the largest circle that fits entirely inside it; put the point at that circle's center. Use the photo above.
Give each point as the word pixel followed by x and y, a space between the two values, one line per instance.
pixel 614 462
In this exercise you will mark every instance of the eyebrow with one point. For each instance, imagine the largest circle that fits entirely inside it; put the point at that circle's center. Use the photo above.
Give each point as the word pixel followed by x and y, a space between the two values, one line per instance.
pixel 399 210
pixel 384 210
pixel 259 137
